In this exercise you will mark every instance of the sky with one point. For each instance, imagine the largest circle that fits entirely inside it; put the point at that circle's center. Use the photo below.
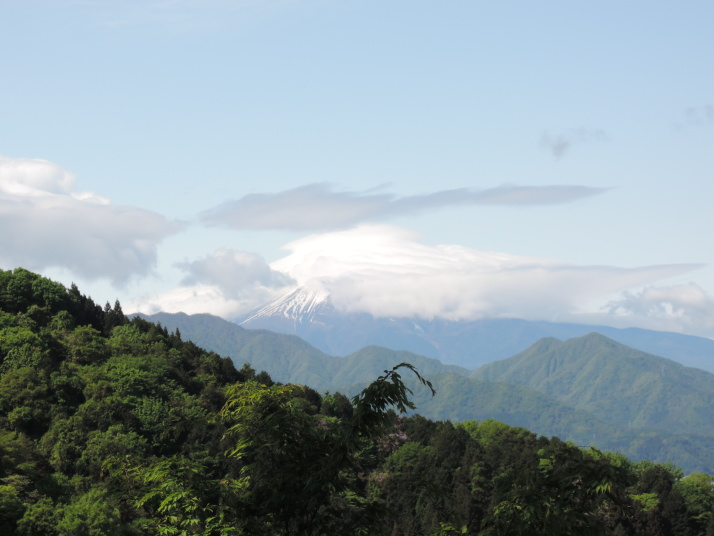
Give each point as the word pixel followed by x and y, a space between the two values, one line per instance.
pixel 458 159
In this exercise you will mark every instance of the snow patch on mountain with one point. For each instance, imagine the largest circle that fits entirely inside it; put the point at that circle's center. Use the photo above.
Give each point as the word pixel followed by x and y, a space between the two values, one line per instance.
pixel 302 304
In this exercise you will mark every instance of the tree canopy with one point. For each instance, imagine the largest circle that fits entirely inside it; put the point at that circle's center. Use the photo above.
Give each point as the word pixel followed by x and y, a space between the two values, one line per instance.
pixel 111 426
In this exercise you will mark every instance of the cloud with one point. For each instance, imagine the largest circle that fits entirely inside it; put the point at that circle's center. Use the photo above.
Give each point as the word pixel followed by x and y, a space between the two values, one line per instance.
pixel 237 273
pixel 387 271
pixel 47 223
pixel 559 144
pixel 193 299
pixel 686 308
pixel 228 283
pixel 696 116
pixel 318 207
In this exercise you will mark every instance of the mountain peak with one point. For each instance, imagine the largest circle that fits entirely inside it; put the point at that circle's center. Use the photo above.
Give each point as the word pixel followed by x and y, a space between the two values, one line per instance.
pixel 594 336
pixel 302 304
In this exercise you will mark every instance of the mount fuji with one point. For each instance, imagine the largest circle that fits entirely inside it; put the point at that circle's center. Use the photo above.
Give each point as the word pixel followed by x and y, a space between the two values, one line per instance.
pixel 309 313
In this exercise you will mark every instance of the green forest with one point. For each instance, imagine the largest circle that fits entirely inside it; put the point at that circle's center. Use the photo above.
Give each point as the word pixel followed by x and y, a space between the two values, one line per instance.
pixel 590 390
pixel 111 426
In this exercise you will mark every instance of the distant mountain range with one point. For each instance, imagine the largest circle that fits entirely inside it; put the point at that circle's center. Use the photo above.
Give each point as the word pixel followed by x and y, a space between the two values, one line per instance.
pixel 288 358
pixel 311 316
pixel 590 390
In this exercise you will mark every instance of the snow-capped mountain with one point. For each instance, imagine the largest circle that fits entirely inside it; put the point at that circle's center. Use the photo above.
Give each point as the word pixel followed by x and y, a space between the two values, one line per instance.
pixel 309 313
pixel 299 305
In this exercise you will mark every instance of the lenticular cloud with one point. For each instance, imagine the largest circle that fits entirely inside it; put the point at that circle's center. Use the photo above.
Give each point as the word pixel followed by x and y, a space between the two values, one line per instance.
pixel 387 272
pixel 316 207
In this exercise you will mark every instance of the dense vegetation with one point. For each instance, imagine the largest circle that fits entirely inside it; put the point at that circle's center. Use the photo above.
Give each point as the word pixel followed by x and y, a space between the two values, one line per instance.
pixel 590 390
pixel 612 381
pixel 118 427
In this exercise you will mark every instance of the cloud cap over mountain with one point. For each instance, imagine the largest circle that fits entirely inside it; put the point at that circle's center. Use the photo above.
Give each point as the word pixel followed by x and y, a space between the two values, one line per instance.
pixel 390 271
pixel 387 271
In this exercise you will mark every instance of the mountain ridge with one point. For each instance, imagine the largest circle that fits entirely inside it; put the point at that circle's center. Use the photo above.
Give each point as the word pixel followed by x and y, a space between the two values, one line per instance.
pixel 462 396
pixel 625 385
pixel 468 344
pixel 290 359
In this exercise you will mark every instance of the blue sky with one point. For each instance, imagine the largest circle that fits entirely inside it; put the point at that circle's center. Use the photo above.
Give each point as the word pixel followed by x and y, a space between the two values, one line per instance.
pixel 547 160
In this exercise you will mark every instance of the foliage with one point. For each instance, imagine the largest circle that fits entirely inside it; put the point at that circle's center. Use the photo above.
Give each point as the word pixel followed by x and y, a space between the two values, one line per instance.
pixel 111 426
pixel 590 390
pixel 316 490
pixel 90 514
pixel 557 491
pixel 185 501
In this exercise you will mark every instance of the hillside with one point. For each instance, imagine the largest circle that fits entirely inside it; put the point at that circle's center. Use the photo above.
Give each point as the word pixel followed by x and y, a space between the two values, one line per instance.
pixel 614 382
pixel 288 358
pixel 628 424
pixel 118 427
pixel 463 399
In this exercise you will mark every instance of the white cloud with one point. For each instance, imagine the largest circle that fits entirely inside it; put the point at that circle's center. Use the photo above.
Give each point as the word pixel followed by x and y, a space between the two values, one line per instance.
pixel 238 273
pixel 46 224
pixel 227 283
pixel 191 300
pixel 318 207
pixel 387 271
pixel 685 308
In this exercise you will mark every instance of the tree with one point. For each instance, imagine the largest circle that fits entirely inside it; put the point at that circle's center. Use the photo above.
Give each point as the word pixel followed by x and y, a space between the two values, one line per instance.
pixel 698 492
pixel 40 519
pixel 556 490
pixel 187 498
pixel 297 472
pixel 91 514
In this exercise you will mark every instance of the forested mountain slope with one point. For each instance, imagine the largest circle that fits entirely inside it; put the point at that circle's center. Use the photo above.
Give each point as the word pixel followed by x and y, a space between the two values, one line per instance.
pixel 597 421
pixel 462 399
pixel 121 428
pixel 614 382
pixel 288 358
